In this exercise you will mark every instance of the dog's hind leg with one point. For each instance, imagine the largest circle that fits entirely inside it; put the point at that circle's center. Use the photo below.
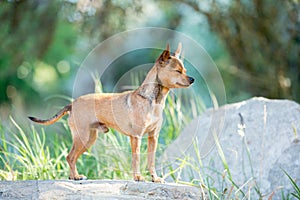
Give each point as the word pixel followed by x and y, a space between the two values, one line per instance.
pixel 80 145
pixel 76 151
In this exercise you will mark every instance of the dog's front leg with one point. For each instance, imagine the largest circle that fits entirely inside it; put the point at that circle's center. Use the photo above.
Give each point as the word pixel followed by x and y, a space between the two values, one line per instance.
pixel 135 148
pixel 152 144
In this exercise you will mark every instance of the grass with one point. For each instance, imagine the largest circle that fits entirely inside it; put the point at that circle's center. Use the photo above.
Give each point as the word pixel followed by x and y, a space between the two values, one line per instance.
pixel 25 157
pixel 296 193
pixel 216 184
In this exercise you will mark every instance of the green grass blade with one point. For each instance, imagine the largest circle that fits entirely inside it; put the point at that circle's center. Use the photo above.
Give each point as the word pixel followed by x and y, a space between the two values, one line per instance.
pixel 295 186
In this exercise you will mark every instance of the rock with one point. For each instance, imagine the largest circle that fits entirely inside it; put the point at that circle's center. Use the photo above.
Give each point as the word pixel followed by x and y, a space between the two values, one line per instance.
pixel 95 189
pixel 259 139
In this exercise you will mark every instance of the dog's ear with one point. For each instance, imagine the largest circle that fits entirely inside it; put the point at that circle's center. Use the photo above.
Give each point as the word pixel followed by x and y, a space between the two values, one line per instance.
pixel 168 47
pixel 182 56
pixel 165 56
pixel 178 51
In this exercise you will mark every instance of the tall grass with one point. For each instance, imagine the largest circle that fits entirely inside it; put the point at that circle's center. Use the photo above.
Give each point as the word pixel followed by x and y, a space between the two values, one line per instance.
pixel 221 185
pixel 27 156
pixel 213 184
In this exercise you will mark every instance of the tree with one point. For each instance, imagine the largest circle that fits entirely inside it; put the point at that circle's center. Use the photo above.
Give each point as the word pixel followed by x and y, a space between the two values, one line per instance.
pixel 25 36
pixel 43 33
pixel 263 40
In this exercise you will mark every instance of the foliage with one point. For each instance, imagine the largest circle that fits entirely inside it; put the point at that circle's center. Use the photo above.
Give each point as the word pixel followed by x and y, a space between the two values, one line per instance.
pixel 27 45
pixel 27 157
pixel 262 38
pixel 43 43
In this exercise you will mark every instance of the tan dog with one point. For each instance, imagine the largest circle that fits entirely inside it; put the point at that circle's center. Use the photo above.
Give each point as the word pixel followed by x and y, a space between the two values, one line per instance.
pixel 132 113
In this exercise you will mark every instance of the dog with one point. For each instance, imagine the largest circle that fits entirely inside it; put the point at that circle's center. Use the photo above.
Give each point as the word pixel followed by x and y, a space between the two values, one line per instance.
pixel 133 113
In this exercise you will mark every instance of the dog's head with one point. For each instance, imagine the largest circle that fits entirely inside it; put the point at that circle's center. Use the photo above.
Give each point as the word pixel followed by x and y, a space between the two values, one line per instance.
pixel 171 72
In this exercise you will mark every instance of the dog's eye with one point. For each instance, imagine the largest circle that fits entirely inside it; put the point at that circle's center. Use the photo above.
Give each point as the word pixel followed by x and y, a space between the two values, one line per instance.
pixel 178 71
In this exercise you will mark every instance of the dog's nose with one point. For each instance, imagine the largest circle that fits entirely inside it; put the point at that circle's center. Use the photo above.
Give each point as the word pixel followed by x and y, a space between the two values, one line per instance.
pixel 191 80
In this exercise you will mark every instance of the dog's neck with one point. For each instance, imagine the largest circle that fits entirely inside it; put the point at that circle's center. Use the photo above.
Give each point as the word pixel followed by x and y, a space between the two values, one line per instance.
pixel 151 89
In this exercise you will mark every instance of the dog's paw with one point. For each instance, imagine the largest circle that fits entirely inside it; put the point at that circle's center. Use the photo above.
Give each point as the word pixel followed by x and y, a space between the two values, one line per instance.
pixel 78 178
pixel 157 179
pixel 139 178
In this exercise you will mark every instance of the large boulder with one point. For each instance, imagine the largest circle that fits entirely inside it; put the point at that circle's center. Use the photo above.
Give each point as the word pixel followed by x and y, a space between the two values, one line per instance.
pixel 257 139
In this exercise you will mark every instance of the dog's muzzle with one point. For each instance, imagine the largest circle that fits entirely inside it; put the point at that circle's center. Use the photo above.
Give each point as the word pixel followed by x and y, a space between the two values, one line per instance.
pixel 191 80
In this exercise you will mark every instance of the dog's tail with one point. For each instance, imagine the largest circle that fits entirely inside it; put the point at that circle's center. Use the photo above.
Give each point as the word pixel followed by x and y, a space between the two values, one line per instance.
pixel 55 118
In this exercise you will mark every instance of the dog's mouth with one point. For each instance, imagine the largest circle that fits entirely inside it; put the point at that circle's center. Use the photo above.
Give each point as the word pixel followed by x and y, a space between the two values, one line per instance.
pixel 182 85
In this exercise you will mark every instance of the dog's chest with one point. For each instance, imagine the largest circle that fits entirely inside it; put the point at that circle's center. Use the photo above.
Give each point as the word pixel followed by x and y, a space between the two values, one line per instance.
pixel 141 116
pixel 153 117
pixel 155 112
pixel 146 118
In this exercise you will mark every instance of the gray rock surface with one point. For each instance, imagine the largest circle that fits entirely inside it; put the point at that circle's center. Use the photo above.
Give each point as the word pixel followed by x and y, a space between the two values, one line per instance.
pixel 95 189
pixel 259 137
